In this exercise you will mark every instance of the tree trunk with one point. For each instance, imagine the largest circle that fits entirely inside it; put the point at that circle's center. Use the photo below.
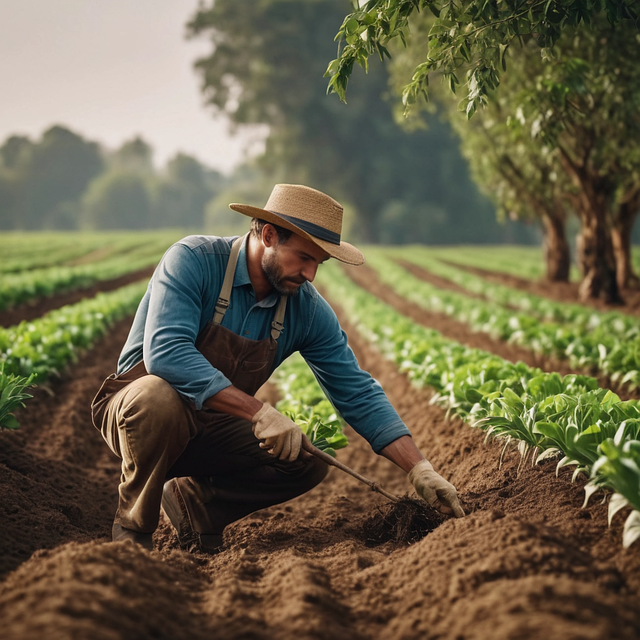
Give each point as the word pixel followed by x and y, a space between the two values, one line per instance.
pixel 621 240
pixel 595 249
pixel 596 261
pixel 556 249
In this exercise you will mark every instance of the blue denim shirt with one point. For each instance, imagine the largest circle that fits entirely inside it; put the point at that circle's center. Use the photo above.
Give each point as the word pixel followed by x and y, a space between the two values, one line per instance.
pixel 180 300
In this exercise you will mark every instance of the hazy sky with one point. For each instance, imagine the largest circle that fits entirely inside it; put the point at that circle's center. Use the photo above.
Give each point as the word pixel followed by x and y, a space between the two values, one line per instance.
pixel 109 70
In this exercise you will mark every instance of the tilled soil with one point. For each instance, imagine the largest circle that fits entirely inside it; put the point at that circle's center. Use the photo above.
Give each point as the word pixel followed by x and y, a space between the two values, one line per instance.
pixel 526 562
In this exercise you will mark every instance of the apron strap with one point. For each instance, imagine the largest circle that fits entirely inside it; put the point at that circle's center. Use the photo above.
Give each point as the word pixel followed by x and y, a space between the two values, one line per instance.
pixel 277 325
pixel 222 303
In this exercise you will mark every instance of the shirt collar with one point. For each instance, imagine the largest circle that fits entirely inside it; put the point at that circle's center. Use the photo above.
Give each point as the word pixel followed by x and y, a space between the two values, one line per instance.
pixel 241 277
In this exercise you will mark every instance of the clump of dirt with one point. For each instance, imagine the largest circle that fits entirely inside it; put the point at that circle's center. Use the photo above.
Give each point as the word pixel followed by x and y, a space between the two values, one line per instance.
pixel 403 522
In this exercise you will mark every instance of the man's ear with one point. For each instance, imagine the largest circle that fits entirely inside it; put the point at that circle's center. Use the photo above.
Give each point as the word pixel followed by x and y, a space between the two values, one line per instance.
pixel 269 235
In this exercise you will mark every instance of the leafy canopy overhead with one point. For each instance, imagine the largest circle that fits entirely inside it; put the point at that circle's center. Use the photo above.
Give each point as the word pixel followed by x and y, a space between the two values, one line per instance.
pixel 471 36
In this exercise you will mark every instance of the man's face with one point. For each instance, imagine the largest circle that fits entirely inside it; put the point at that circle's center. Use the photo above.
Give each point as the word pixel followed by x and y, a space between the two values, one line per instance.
pixel 290 264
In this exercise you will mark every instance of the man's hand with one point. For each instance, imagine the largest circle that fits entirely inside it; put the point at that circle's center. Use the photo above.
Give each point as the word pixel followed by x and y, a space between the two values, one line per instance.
pixel 282 437
pixel 435 490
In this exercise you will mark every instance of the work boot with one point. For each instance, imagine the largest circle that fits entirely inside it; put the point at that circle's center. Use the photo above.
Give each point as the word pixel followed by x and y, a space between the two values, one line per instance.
pixel 119 533
pixel 183 500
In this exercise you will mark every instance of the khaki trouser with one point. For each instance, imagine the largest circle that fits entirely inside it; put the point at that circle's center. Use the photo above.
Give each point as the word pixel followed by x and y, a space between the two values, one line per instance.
pixel 159 436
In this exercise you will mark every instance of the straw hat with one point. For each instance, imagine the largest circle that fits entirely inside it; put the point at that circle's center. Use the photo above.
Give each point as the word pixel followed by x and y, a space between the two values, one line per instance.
pixel 310 214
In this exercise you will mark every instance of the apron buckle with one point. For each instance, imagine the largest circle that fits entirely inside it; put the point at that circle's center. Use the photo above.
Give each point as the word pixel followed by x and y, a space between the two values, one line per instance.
pixel 276 329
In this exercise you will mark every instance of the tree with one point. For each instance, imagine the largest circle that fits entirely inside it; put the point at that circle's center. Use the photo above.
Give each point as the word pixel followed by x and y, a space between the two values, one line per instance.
pixel 472 36
pixel 117 200
pixel 247 184
pixel 182 193
pixel 15 151
pixel 266 68
pixel 48 175
pixel 133 156
pixel 584 102
pixel 520 174
pixel 558 136
pixel 523 179
pixel 14 154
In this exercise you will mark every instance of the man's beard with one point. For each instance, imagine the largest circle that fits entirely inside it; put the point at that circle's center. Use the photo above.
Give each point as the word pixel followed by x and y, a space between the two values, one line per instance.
pixel 273 273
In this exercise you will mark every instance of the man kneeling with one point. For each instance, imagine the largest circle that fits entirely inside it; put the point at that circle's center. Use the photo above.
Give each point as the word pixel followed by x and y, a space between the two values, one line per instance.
pixel 218 317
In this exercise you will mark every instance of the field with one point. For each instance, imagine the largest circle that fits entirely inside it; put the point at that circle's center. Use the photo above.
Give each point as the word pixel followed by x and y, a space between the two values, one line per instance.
pixel 528 561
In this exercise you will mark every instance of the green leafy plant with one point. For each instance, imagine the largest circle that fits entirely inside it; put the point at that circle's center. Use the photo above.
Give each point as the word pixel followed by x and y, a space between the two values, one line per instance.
pixel 541 412
pixel 12 396
pixel 47 345
pixel 127 254
pixel 325 434
pixel 618 468
pixel 605 342
pixel 305 403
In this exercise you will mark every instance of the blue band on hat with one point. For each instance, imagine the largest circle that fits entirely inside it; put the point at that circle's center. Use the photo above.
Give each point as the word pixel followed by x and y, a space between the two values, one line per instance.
pixel 311 228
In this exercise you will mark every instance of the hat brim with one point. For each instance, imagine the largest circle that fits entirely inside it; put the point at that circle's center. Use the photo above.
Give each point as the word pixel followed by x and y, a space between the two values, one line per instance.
pixel 344 252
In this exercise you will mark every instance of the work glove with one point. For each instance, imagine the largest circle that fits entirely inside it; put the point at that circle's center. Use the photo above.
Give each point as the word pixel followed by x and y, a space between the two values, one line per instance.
pixel 281 437
pixel 435 490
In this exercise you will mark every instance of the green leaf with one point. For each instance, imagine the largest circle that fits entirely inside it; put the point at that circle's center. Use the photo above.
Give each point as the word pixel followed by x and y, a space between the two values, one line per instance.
pixel 9 422
pixel 631 529
pixel 351 26
pixel 617 502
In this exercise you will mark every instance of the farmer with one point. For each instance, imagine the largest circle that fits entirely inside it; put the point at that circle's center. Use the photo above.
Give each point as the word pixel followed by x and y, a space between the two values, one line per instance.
pixel 218 317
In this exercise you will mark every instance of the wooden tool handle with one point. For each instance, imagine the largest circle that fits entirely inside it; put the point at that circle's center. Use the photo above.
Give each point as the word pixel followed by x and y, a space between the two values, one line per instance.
pixel 325 457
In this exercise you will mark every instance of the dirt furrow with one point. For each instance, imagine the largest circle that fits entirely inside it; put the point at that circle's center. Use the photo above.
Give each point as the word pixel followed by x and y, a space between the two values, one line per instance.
pixel 518 563
pixel 368 279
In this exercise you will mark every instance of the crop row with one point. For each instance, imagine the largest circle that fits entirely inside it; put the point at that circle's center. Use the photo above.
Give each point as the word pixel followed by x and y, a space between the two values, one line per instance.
pixel 583 318
pixel 609 348
pixel 32 351
pixel 544 413
pixel 518 260
pixel 45 346
pixel 45 251
pixel 522 261
pixel 20 287
pixel 26 251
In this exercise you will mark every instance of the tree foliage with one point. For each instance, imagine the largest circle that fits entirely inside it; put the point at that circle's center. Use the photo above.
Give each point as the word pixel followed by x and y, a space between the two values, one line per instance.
pixel 42 179
pixel 266 68
pixel 559 137
pixel 181 194
pixel 471 37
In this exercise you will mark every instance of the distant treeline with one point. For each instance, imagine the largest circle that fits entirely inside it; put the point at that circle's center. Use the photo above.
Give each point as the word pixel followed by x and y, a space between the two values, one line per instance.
pixel 63 181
